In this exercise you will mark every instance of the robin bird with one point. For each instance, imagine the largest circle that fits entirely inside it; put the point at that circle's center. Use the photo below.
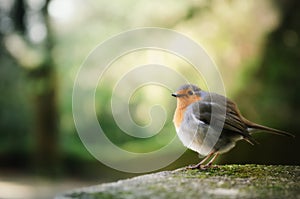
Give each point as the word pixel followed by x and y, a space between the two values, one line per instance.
pixel 198 110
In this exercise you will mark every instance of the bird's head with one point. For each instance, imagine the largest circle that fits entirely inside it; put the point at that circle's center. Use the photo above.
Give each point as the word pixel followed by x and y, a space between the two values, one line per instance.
pixel 187 94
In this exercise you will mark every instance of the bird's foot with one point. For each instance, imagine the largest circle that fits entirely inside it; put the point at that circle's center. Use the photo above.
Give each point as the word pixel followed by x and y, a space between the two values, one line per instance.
pixel 201 166
pixel 197 166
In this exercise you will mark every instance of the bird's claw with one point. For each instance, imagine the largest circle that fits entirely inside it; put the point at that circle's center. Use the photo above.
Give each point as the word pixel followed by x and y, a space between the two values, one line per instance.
pixel 202 167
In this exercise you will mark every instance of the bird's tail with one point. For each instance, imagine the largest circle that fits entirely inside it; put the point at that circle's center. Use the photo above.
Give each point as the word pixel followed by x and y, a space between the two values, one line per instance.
pixel 258 127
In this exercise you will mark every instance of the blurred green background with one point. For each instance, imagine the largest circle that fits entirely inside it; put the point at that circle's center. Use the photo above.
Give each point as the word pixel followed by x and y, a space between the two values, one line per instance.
pixel 255 44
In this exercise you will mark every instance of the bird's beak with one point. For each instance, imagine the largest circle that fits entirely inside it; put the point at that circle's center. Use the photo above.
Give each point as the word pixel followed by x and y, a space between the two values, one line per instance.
pixel 174 94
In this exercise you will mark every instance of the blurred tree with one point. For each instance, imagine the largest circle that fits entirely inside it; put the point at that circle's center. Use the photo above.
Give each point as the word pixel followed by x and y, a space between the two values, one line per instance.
pixel 273 91
pixel 30 43
pixel 14 120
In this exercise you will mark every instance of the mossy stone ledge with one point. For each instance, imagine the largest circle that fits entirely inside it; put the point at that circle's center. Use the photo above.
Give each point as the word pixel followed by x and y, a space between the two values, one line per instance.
pixel 227 181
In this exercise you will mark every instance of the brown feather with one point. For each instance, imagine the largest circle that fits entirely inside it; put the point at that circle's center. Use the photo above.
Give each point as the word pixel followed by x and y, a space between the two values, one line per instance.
pixel 266 129
pixel 233 121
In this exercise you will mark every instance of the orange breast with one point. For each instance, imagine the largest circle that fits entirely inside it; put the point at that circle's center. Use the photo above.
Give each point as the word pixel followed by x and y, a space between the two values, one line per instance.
pixel 182 104
pixel 178 116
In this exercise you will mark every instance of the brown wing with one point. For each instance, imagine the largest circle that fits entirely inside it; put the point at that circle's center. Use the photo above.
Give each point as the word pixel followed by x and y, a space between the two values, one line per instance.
pixel 225 115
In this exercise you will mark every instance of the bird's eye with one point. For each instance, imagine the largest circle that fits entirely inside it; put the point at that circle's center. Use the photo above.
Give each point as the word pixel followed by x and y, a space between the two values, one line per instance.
pixel 190 92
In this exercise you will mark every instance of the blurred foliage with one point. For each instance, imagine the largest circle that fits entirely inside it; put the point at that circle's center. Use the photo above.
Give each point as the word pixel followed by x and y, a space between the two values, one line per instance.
pixel 273 88
pixel 255 45
pixel 15 107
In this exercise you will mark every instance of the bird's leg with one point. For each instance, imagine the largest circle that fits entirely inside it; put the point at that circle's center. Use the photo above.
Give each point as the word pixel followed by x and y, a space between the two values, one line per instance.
pixel 198 166
pixel 208 165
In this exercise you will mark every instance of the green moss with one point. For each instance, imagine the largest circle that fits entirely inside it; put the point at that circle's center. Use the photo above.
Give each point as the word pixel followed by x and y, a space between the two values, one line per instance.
pixel 229 181
pixel 100 195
